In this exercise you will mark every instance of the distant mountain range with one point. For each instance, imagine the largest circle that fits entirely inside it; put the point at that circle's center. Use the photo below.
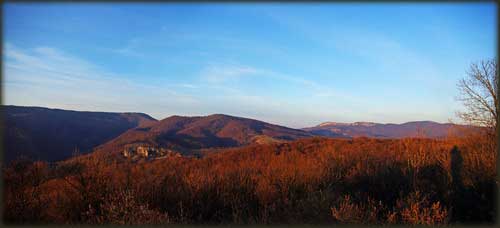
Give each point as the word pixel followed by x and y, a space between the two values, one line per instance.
pixel 53 134
pixel 427 129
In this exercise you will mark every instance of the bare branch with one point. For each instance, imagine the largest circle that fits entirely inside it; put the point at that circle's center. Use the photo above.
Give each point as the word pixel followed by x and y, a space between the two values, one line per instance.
pixel 479 95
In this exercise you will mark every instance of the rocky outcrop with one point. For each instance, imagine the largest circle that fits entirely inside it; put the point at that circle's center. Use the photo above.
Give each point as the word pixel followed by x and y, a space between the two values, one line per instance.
pixel 149 152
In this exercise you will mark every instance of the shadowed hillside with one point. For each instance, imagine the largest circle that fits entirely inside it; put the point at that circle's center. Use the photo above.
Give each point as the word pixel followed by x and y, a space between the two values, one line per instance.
pixel 54 134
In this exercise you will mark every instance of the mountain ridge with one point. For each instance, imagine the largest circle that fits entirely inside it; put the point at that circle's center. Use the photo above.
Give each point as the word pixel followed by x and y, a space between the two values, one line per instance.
pixel 364 123
pixel 188 134
pixel 55 134
pixel 424 128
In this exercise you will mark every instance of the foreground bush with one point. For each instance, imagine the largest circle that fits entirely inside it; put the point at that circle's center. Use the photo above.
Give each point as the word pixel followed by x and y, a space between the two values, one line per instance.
pixel 123 209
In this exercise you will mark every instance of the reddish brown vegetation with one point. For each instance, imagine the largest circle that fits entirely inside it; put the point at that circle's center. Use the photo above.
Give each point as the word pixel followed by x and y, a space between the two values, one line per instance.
pixel 315 180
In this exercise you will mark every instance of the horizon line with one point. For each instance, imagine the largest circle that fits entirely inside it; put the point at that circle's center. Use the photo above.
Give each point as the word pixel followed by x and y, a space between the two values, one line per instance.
pixel 192 116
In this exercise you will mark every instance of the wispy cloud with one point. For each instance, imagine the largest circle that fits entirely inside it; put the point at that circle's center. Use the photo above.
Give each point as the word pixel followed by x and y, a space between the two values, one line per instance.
pixel 43 65
pixel 46 76
pixel 395 58
pixel 390 55
pixel 190 86
pixel 220 73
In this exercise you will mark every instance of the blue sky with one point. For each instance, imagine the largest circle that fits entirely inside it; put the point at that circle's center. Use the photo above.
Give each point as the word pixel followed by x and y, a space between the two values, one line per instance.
pixel 291 64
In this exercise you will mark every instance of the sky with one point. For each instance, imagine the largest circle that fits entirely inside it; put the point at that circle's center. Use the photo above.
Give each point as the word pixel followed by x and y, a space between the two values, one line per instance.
pixel 296 65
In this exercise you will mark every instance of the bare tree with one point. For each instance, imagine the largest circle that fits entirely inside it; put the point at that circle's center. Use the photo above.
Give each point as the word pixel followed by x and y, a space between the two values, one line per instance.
pixel 479 94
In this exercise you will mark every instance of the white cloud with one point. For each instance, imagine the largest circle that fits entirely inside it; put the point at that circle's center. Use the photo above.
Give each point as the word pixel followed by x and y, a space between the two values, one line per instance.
pixel 46 76
pixel 189 86
pixel 392 56
pixel 45 65
pixel 218 76
pixel 222 73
